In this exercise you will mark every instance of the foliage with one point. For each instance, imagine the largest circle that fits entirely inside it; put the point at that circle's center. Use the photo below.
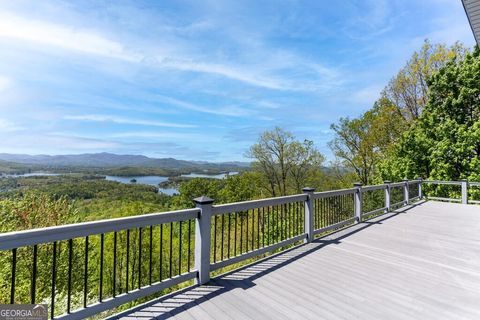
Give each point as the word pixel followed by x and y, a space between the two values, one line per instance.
pixel 445 142
pixel 408 90
pixel 284 162
pixel 362 142
pixel 367 144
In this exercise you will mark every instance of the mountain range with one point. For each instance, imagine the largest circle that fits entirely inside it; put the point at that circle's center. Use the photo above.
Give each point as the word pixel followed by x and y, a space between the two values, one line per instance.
pixel 106 160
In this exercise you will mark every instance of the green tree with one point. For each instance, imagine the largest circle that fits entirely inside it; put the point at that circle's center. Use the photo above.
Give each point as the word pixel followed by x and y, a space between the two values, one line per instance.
pixel 283 161
pixel 362 143
pixel 445 142
pixel 408 90
pixel 195 188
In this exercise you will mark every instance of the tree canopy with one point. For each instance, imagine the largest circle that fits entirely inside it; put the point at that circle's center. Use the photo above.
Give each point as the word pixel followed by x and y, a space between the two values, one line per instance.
pixel 284 162
pixel 372 144
pixel 445 141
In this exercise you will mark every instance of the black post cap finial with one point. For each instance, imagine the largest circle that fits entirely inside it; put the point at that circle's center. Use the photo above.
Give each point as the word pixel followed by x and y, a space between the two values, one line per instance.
pixel 203 200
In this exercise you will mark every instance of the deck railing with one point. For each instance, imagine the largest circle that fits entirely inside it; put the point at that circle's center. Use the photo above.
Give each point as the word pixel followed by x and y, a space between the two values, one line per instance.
pixel 451 191
pixel 97 266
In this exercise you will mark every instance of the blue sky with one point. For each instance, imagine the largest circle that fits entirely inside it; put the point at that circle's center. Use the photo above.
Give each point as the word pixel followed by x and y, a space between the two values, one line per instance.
pixel 200 80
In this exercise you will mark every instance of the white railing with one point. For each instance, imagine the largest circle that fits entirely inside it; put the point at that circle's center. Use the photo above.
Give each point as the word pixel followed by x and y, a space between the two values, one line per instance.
pixel 148 253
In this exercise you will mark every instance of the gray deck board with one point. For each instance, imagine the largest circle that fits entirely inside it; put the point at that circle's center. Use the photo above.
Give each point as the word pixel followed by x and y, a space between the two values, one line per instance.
pixel 420 262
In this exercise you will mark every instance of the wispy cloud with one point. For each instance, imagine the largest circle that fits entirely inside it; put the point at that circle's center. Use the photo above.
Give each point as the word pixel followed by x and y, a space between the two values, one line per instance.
pixel 121 120
pixel 61 36
pixel 89 41
pixel 223 111
pixel 163 135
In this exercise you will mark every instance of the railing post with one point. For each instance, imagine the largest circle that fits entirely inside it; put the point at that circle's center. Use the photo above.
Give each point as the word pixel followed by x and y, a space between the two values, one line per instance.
pixel 405 192
pixel 420 195
pixel 202 239
pixel 387 195
pixel 464 191
pixel 309 223
pixel 358 202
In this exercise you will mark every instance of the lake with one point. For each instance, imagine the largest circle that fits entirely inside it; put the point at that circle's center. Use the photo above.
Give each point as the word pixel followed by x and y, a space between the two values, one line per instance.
pixel 155 180
pixel 148 180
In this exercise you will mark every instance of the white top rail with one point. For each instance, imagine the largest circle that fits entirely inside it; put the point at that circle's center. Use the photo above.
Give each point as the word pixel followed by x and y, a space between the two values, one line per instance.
pixel 18 239
pixel 397 184
pixel 373 188
pixel 443 182
pixel 333 193
pixel 253 204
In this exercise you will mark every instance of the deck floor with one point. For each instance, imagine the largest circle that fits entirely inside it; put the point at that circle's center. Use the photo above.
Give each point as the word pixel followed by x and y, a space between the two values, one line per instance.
pixel 421 262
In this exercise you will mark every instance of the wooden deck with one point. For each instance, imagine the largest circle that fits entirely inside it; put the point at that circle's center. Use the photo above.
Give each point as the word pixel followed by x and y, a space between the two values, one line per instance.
pixel 421 262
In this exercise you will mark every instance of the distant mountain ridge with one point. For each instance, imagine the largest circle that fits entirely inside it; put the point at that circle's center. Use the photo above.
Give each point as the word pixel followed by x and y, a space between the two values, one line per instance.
pixel 106 160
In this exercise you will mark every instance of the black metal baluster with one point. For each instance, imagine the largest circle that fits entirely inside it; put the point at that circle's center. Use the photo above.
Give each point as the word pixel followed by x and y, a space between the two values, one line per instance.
pixel 54 279
pixel 267 222
pixel 253 229
pixel 180 248
pixel 189 240
pixel 263 227
pixel 139 258
pixel 325 212
pixel 330 211
pixel 228 238
pixel 171 250
pixel 114 282
pixel 69 283
pixel 235 240
pixel 241 234
pixel 150 257
pixel 258 228
pixel 101 267
pixel 223 230
pixel 297 215
pixel 14 269
pixel 214 239
pixel 281 222
pixel 289 215
pixel 295 219
pixel 280 229
pixel 246 233
pixel 85 274
pixel 128 260
pixel 34 275
pixel 161 252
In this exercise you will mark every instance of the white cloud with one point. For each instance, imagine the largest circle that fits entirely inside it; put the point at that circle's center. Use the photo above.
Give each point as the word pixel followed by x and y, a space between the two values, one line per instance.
pixel 239 74
pixel 95 43
pixel 33 143
pixel 223 111
pixel 163 135
pixel 15 27
pixel 121 120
